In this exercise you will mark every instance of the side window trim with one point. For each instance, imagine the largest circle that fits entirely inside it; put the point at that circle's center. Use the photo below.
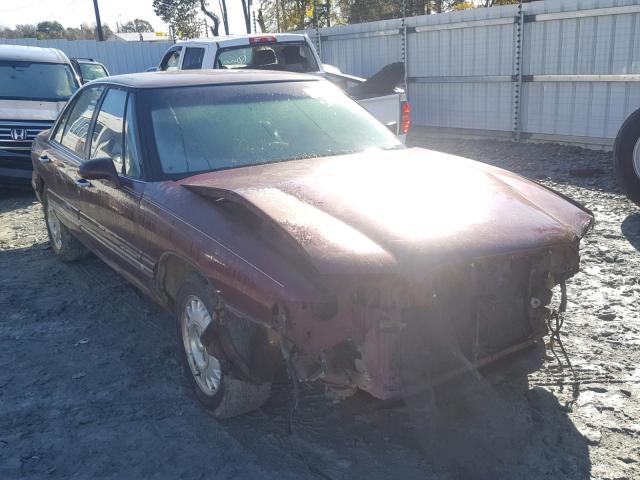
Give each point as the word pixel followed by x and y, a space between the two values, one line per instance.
pixel 92 124
pixel 130 107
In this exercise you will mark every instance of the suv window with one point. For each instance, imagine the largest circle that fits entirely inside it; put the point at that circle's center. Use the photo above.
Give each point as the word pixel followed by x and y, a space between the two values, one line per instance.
pixel 76 127
pixel 289 57
pixel 192 58
pixel 91 71
pixel 107 139
pixel 171 59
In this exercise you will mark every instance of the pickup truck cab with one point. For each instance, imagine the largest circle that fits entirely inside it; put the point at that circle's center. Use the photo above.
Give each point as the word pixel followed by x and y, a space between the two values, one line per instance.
pixel 35 84
pixel 284 52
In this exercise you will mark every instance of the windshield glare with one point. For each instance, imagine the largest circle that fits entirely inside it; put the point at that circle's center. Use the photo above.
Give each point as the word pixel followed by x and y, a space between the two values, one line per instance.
pixel 36 81
pixel 198 129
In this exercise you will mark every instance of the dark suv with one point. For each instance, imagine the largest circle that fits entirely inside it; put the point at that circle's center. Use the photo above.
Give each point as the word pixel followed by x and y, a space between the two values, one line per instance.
pixel 89 69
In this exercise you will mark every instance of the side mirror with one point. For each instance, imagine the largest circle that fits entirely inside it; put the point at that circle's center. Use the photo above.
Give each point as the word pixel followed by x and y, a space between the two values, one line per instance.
pixel 99 169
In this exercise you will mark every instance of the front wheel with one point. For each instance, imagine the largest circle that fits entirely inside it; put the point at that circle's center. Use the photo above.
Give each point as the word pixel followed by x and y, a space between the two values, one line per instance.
pixel 626 157
pixel 211 376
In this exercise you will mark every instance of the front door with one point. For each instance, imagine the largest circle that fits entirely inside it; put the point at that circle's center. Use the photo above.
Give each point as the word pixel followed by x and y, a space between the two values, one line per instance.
pixel 110 212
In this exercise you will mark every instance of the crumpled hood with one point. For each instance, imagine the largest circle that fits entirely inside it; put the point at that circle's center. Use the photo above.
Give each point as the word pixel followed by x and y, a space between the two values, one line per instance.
pixel 410 208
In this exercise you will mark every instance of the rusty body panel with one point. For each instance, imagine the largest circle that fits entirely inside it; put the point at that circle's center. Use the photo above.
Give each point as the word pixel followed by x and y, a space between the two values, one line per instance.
pixel 370 269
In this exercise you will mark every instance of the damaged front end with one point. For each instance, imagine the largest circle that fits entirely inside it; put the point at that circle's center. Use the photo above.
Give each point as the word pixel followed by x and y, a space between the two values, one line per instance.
pixel 396 337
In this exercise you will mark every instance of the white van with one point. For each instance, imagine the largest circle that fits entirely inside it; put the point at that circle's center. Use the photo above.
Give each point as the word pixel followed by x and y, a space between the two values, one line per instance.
pixel 35 83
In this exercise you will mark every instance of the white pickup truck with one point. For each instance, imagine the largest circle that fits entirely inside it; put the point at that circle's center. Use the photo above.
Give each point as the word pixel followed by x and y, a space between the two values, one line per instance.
pixel 295 53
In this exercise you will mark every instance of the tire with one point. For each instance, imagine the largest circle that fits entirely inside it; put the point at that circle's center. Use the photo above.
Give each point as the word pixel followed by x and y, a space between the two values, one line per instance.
pixel 626 157
pixel 62 242
pixel 225 396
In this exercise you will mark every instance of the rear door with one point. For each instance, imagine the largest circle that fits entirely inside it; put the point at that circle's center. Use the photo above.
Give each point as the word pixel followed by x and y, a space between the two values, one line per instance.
pixel 66 151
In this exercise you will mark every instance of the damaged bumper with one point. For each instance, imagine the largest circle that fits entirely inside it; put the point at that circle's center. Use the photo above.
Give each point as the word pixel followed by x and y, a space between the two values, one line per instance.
pixel 394 337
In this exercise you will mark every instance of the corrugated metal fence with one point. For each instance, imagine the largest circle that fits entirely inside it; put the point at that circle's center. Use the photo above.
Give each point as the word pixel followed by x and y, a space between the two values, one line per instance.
pixel 118 57
pixel 557 69
pixel 565 70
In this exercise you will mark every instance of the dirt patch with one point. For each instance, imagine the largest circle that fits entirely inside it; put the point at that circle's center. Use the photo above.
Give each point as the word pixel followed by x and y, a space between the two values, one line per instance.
pixel 90 385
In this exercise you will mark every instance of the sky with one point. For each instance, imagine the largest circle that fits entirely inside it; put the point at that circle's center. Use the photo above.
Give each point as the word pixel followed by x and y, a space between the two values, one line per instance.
pixel 72 13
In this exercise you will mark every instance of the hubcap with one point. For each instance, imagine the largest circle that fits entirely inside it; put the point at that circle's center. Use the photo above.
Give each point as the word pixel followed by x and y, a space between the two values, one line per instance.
pixel 54 227
pixel 636 158
pixel 204 367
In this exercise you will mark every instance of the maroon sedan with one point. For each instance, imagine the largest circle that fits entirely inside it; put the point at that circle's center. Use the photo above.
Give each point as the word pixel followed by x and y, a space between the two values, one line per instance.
pixel 282 223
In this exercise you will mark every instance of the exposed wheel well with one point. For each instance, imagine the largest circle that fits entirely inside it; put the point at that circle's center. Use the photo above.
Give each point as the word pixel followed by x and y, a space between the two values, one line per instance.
pixel 171 274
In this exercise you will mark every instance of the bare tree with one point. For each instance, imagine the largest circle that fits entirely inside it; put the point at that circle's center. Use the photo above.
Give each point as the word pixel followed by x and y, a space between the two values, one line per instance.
pixel 214 18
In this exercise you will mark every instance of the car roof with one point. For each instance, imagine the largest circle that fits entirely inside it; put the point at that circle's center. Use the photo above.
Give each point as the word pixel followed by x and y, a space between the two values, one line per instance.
pixel 182 78
pixel 284 37
pixel 32 54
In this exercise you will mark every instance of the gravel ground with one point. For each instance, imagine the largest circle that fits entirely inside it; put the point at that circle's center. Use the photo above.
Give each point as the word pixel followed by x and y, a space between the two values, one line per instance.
pixel 90 385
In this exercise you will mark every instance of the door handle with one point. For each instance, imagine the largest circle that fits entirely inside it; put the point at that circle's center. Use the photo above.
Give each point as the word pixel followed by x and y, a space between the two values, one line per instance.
pixel 83 183
pixel 44 158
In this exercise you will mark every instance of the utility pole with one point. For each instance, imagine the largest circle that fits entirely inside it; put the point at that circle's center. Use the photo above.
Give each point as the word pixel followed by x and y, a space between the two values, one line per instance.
pixel 98 23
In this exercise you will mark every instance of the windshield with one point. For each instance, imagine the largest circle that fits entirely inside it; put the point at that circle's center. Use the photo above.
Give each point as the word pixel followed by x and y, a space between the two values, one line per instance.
pixel 91 71
pixel 289 57
pixel 51 82
pixel 198 129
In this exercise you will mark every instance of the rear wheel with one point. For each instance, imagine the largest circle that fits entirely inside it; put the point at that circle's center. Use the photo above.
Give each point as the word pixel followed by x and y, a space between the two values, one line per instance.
pixel 218 390
pixel 626 157
pixel 62 242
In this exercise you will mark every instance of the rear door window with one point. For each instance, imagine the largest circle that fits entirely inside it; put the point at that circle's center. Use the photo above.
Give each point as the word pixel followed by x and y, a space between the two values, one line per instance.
pixel 76 127
pixel 193 58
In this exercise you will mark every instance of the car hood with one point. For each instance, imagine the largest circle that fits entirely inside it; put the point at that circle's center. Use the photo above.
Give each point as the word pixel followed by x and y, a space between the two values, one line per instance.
pixel 408 209
pixel 30 109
